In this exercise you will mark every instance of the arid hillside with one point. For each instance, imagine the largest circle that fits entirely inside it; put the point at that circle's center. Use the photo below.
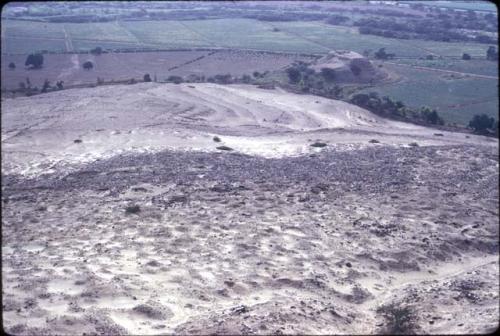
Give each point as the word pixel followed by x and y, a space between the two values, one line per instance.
pixel 199 208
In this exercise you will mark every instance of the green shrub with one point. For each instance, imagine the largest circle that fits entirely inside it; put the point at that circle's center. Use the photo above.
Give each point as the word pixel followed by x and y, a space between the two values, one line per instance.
pixel 318 144
pixel 225 148
pixel 400 320
pixel 132 209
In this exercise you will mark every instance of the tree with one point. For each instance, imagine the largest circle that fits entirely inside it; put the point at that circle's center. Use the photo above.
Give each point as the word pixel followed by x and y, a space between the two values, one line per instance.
pixel 356 70
pixel 481 123
pixel 46 85
pixel 328 74
pixel 96 51
pixel 147 78
pixel 34 60
pixel 466 57
pixel 294 75
pixel 492 54
pixel 59 85
pixel 246 79
pixel 12 65
pixel 431 116
pixel 88 65
pixel 381 54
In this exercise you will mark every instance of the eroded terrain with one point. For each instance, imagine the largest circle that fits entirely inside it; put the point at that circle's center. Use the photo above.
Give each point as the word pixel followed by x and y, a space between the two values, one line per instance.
pixel 353 237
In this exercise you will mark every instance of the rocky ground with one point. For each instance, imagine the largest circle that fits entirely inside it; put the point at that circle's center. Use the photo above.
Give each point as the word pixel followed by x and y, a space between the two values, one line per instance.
pixel 356 237
pixel 360 241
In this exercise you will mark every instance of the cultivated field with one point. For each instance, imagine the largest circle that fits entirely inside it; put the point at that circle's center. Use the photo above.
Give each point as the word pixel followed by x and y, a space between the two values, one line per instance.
pixel 457 97
pixel 118 66
pixel 476 66
pixel 340 37
pixel 487 6
pixel 419 86
pixel 233 33
pixel 295 36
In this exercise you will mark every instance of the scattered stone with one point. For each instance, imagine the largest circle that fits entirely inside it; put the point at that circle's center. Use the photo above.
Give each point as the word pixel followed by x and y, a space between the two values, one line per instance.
pixel 318 144
pixel 216 139
pixel 224 148
pixel 374 141
pixel 132 209
pixel 77 141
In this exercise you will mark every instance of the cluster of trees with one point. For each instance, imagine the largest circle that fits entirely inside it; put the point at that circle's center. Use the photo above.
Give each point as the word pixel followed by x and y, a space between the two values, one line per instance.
pixel 96 51
pixel 29 90
pixel 299 72
pixel 287 16
pixel 492 54
pixel 34 61
pixel 381 54
pixel 428 29
pixel 386 107
pixel 482 124
pixel 337 19
pixel 88 65
pixel 305 79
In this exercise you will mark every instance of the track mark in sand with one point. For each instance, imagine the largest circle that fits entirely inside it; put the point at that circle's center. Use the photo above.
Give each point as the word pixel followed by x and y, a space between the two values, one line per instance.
pixel 67 72
pixel 442 274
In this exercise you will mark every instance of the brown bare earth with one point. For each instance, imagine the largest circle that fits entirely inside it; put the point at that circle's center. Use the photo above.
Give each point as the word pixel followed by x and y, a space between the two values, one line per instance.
pixel 119 66
pixel 198 208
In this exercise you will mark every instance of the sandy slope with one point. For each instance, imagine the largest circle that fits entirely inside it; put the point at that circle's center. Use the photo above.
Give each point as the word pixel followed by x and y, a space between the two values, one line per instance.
pixel 38 132
pixel 343 240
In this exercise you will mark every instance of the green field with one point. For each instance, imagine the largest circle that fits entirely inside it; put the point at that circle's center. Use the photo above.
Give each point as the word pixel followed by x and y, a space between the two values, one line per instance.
pixel 340 37
pixel 476 66
pixel 418 88
pixel 294 36
pixel 486 6
pixel 28 45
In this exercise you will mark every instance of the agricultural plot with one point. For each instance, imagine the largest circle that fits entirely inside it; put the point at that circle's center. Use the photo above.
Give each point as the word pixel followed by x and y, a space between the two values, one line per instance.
pixel 118 66
pixel 450 49
pixel 294 36
pixel 23 45
pixel 106 66
pixel 238 63
pixel 476 66
pixel 339 37
pixel 100 31
pixel 251 34
pixel 457 99
pixel 33 29
pixel 486 6
pixel 165 34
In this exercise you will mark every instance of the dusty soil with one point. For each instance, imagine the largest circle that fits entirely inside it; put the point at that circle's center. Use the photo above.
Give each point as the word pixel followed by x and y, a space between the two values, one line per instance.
pixel 119 66
pixel 114 235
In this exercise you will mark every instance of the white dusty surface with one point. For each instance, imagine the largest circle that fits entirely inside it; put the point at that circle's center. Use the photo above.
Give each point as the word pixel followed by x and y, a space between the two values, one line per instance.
pixel 38 132
pixel 352 238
